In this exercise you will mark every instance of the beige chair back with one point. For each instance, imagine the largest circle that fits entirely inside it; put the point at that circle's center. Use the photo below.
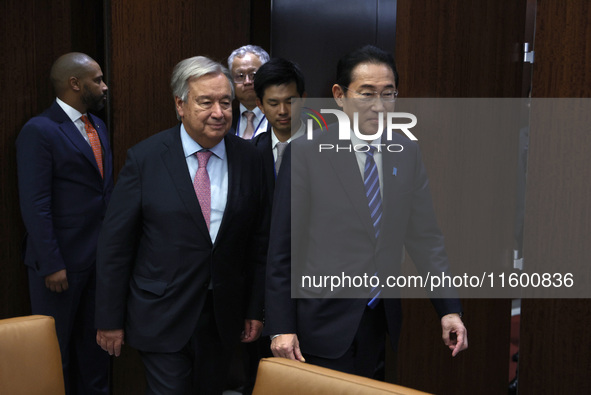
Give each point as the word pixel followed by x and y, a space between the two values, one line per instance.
pixel 286 377
pixel 30 359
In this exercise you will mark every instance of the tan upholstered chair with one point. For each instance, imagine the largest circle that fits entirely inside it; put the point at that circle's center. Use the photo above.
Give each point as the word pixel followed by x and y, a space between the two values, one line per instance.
pixel 30 359
pixel 286 377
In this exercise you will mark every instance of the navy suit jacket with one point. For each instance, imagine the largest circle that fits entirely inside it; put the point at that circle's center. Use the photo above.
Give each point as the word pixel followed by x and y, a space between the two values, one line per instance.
pixel 62 195
pixel 235 117
pixel 262 142
pixel 156 258
pixel 330 232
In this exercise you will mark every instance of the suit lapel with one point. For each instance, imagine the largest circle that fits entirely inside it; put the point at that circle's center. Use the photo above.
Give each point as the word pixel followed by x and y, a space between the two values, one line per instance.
pixel 173 157
pixel 235 175
pixel 73 134
pixel 268 160
pixel 394 167
pixel 389 167
pixel 347 170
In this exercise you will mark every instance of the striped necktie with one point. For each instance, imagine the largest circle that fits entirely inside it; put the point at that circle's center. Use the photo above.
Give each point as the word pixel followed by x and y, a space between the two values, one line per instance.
pixel 371 180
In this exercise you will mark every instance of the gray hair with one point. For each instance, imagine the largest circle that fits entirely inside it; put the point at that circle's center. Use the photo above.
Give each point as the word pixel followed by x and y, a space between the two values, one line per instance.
pixel 254 49
pixel 192 68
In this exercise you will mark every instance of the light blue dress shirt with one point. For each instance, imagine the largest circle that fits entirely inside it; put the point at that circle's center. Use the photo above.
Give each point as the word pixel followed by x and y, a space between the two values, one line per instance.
pixel 217 168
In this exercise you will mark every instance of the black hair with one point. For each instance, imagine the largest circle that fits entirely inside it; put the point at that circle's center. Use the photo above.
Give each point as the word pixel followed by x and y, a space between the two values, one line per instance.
pixel 278 71
pixel 366 54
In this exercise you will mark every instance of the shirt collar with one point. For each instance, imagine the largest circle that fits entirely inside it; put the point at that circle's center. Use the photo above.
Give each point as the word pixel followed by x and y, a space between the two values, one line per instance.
pixel 299 133
pixel 357 141
pixel 190 146
pixel 70 111
pixel 258 114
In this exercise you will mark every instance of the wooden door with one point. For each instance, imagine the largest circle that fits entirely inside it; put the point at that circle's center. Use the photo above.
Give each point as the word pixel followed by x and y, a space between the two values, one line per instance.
pixel 554 355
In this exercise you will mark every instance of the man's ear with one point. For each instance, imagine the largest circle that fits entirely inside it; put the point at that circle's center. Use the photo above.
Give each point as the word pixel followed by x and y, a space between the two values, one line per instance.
pixel 178 102
pixel 338 94
pixel 74 83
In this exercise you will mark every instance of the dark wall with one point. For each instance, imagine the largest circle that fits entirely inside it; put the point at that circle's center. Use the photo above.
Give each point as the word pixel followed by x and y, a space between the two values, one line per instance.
pixel 460 48
pixel 316 33
pixel 147 42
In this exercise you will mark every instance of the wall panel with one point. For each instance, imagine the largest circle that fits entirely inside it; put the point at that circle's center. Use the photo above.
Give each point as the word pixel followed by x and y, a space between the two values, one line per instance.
pixel 146 41
pixel 32 35
pixel 464 49
pixel 554 353
pixel 460 48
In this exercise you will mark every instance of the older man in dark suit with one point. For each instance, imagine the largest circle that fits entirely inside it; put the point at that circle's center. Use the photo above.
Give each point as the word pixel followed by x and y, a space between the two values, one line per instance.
pixel 351 211
pixel 183 248
pixel 65 179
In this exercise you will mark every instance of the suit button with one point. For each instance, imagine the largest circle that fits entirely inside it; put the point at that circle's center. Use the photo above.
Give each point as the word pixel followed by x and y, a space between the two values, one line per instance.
pixel 206 285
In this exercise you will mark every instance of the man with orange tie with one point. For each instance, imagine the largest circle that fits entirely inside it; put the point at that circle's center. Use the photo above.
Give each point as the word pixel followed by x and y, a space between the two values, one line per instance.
pixel 65 178
pixel 247 119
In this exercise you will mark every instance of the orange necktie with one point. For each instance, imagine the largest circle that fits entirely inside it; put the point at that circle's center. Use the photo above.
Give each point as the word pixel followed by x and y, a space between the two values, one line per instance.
pixel 95 142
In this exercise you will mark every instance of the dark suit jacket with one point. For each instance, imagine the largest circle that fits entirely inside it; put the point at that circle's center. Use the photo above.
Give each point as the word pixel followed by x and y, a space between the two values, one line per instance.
pixel 262 142
pixel 235 117
pixel 156 258
pixel 62 195
pixel 332 233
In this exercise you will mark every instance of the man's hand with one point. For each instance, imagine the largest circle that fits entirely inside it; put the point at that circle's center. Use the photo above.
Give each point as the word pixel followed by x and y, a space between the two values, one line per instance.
pixel 455 335
pixel 57 282
pixel 110 340
pixel 252 330
pixel 287 346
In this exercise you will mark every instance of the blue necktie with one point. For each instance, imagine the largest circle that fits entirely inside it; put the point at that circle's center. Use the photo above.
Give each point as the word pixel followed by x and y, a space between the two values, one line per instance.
pixel 371 181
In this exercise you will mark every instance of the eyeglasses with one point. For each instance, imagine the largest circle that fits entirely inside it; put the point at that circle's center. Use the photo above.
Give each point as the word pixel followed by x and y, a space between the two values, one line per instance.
pixel 367 95
pixel 240 78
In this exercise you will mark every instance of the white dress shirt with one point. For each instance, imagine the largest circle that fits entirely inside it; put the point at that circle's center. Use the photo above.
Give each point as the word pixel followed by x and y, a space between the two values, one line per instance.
pixel 361 156
pixel 275 140
pixel 75 116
